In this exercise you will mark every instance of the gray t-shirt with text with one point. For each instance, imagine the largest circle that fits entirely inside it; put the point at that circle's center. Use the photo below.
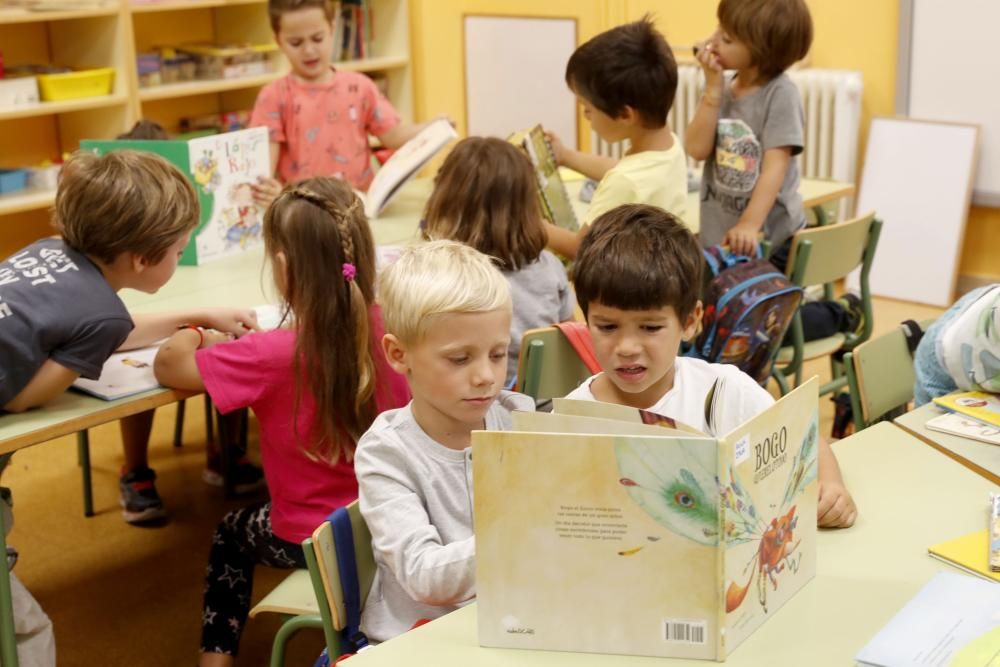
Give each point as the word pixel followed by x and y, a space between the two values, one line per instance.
pixel 769 117
pixel 55 304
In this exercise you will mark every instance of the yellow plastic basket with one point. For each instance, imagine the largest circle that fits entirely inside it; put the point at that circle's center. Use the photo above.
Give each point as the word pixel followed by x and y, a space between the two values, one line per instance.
pixel 74 85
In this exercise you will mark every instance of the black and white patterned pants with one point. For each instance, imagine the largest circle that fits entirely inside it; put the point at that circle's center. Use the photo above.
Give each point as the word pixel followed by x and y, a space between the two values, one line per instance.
pixel 242 540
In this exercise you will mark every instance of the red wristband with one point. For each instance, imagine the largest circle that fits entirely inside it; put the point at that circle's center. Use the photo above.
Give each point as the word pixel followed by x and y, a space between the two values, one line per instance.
pixel 201 334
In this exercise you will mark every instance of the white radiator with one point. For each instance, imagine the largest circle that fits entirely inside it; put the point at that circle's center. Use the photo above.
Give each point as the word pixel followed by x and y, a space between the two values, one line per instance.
pixel 831 100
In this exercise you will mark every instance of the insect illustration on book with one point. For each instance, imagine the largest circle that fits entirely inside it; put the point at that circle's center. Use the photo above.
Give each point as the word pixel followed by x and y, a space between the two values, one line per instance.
pixel 677 487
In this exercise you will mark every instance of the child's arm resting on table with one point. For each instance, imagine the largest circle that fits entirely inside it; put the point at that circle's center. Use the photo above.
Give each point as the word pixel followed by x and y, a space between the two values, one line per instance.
pixel 835 508
pixel 51 380
pixel 151 327
pixel 430 572
pixel 742 239
pixel 175 366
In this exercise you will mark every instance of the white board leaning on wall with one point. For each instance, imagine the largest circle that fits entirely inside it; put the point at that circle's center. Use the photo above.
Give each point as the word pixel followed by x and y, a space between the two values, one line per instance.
pixel 918 178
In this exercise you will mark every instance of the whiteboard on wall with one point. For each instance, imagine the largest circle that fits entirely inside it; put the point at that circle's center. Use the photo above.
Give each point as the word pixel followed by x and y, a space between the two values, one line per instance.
pixel 917 178
pixel 951 49
pixel 514 75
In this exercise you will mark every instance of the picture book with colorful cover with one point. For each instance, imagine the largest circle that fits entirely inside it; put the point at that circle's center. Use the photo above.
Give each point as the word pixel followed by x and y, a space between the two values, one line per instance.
pixel 969 553
pixel 976 404
pixel 223 169
pixel 556 206
pixel 701 539
pixel 959 425
pixel 405 163
pixel 954 620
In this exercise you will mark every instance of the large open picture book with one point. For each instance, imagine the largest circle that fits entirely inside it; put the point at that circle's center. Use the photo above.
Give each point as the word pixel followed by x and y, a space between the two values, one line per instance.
pixel 606 529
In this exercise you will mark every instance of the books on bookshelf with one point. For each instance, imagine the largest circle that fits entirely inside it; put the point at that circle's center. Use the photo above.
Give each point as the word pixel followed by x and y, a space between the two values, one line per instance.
pixel 223 169
pixel 555 202
pixel 954 620
pixel 979 405
pixel 701 539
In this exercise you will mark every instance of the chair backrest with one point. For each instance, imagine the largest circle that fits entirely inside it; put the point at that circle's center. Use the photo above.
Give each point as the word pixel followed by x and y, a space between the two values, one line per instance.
pixel 827 254
pixel 880 374
pixel 548 366
pixel 345 562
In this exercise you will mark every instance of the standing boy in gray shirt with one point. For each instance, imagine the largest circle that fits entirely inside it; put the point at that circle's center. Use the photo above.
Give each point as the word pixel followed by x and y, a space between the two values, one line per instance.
pixel 447 312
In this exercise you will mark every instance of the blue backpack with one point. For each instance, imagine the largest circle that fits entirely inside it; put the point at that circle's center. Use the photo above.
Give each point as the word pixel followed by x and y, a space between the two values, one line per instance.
pixel 749 305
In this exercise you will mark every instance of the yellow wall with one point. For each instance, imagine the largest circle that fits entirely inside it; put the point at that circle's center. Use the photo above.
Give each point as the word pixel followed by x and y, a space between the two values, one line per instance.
pixel 850 34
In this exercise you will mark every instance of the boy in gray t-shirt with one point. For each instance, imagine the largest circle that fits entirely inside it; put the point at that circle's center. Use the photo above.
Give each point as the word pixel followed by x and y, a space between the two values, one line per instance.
pixel 769 118
pixel 447 313
pixel 748 129
pixel 124 219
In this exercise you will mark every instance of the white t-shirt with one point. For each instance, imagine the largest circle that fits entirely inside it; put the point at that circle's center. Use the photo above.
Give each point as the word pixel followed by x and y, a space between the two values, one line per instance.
pixel 741 398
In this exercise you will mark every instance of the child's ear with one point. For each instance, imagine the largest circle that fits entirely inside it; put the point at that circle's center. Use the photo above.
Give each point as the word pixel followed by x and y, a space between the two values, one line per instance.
pixel 629 115
pixel 138 262
pixel 692 323
pixel 395 354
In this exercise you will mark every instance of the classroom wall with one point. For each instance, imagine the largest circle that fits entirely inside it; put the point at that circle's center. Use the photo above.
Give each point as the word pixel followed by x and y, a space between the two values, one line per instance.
pixel 843 40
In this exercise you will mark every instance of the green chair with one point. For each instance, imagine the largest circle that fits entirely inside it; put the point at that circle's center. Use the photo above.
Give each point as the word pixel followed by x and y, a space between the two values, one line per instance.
pixel 548 366
pixel 822 255
pixel 880 376
pixel 341 572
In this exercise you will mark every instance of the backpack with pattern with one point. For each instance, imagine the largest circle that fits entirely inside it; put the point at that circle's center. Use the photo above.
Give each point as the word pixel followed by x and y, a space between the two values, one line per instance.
pixel 749 305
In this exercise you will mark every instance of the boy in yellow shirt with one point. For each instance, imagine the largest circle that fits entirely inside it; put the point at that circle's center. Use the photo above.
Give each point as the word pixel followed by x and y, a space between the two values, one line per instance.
pixel 626 79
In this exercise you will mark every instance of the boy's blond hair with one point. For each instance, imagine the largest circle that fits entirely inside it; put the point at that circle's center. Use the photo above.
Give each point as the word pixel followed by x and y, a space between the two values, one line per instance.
pixel 124 201
pixel 437 278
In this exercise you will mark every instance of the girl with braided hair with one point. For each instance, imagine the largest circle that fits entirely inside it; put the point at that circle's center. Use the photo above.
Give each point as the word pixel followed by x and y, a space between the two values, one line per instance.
pixel 315 384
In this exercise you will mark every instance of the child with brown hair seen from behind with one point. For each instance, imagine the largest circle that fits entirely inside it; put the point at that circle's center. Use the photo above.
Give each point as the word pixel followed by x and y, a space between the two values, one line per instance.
pixel 124 219
pixel 625 79
pixel 637 278
pixel 748 130
pixel 318 116
pixel 485 196
pixel 140 501
pixel 315 385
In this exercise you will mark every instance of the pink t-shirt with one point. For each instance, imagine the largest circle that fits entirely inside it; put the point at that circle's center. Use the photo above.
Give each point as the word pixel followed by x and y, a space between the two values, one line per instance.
pixel 323 128
pixel 256 371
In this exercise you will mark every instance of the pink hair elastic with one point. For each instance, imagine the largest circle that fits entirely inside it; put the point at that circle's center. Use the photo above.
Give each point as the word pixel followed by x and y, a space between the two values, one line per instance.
pixel 349 271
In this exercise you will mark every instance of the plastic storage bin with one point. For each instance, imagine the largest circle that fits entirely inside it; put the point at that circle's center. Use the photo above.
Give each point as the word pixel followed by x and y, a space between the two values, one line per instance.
pixel 74 85
pixel 12 180
pixel 18 92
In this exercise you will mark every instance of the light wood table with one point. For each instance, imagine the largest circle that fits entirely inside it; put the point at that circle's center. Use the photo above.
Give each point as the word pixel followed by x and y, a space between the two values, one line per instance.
pixel 814 193
pixel 865 574
pixel 982 457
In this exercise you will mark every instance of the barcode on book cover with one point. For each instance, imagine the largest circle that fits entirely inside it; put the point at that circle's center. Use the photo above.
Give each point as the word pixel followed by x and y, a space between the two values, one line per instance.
pixel 690 632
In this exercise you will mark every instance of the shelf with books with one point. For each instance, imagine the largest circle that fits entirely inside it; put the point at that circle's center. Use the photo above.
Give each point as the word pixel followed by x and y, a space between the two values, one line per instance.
pixel 188 88
pixel 21 15
pixel 174 5
pixel 26 200
pixel 51 108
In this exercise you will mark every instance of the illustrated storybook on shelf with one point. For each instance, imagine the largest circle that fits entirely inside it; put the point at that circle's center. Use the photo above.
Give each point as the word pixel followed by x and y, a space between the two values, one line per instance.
pixel 976 404
pixel 556 206
pixel 614 530
pixel 223 169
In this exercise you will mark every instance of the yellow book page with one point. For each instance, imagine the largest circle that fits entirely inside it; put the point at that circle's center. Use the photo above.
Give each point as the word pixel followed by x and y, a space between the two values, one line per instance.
pixel 969 553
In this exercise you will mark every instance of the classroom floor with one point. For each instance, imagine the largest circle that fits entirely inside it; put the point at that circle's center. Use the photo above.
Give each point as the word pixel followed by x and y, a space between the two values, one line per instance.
pixel 122 595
